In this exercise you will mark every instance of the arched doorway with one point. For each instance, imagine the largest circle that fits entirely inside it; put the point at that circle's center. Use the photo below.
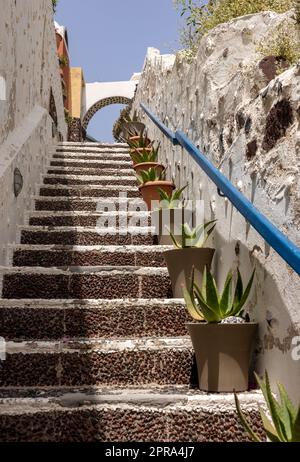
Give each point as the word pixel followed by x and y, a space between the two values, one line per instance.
pixel 100 105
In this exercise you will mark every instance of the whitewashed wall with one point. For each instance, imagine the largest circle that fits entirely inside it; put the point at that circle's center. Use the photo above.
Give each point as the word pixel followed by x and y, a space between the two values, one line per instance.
pixel 28 70
pixel 207 99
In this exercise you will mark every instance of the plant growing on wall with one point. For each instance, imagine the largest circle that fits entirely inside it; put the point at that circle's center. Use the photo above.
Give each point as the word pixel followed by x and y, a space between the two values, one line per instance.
pixel 54 4
pixel 283 44
pixel 283 423
pixel 201 17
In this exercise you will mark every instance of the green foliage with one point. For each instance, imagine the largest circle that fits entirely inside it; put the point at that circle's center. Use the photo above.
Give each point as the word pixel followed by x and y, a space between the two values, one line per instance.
pixel 63 61
pixel 282 43
pixel 142 142
pixel 145 156
pixel 284 422
pixel 172 201
pixel 206 303
pixel 153 174
pixel 201 17
pixel 117 128
pixel 195 237
pixel 54 4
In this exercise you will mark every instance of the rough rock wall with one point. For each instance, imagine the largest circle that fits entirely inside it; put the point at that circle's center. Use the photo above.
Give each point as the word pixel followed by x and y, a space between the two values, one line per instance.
pixel 28 70
pixel 249 127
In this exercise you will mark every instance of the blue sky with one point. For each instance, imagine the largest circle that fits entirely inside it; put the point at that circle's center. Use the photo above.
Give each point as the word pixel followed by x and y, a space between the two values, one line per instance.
pixel 109 40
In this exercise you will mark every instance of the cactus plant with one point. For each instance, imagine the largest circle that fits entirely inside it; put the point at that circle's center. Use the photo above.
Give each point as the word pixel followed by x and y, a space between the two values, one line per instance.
pixel 173 201
pixel 152 174
pixel 195 237
pixel 284 422
pixel 207 304
pixel 145 155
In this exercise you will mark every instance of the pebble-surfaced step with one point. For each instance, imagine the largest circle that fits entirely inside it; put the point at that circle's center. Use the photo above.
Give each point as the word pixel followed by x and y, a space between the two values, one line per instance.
pixel 88 191
pixel 86 282
pixel 71 180
pixel 97 219
pixel 56 319
pixel 111 172
pixel 160 414
pixel 65 256
pixel 124 362
pixel 87 236
pixel 89 204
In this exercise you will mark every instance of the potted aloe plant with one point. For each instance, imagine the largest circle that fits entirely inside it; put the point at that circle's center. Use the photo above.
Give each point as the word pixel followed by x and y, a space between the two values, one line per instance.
pixel 146 159
pixel 131 127
pixel 189 253
pixel 151 181
pixel 170 215
pixel 140 143
pixel 282 424
pixel 221 336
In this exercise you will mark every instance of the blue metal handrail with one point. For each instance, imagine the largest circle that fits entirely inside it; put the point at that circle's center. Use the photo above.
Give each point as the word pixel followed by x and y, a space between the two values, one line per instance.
pixel 272 235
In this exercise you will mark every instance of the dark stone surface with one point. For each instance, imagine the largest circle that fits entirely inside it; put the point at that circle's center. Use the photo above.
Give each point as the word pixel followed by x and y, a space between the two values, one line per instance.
pixel 88 258
pixel 251 149
pixel 91 424
pixel 162 367
pixel 66 205
pixel 86 192
pixel 85 286
pixel 278 120
pixel 91 221
pixel 78 181
pixel 93 164
pixel 25 323
pixel 84 238
pixel 270 65
pixel 21 370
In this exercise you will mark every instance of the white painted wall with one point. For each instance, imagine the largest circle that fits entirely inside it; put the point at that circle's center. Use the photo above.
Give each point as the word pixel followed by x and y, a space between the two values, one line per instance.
pixel 29 68
pixel 203 99
pixel 100 90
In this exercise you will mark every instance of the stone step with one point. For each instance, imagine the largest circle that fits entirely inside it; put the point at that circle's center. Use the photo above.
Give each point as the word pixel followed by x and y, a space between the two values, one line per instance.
pixel 89 219
pixel 103 164
pixel 123 362
pixel 86 180
pixel 86 191
pixel 91 156
pixel 88 145
pixel 88 204
pixel 88 282
pixel 113 172
pixel 114 414
pixel 58 319
pixel 65 256
pixel 87 236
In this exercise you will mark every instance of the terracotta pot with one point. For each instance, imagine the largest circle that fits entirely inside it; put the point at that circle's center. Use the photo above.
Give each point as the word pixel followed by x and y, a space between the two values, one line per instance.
pixel 147 165
pixel 170 219
pixel 180 263
pixel 223 354
pixel 150 191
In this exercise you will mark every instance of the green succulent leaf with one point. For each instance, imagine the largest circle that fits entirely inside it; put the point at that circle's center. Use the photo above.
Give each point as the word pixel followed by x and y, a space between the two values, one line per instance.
pixel 239 306
pixel 244 421
pixel 226 299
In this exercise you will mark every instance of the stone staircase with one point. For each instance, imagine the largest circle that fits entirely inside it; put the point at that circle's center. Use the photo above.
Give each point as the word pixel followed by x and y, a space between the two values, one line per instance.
pixel 97 349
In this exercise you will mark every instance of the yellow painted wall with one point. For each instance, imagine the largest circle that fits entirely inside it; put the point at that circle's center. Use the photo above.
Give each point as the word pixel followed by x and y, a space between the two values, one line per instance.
pixel 77 86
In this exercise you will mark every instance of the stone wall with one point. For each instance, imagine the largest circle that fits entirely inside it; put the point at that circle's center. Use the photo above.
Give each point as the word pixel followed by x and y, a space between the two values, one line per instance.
pixel 29 68
pixel 248 126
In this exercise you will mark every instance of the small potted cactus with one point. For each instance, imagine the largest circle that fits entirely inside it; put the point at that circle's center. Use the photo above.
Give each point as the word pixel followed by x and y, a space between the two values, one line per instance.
pixel 189 253
pixel 151 181
pixel 144 159
pixel 221 335
pixel 170 215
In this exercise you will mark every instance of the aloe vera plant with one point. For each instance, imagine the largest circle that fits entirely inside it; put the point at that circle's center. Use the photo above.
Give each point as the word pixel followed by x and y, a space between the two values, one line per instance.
pixel 145 156
pixel 173 201
pixel 207 304
pixel 152 174
pixel 284 422
pixel 195 237
pixel 142 142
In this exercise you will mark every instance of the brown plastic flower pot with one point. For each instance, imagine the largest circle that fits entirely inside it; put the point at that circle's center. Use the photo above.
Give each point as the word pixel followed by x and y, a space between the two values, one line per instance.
pixel 150 191
pixel 180 263
pixel 223 354
pixel 173 220
pixel 159 168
